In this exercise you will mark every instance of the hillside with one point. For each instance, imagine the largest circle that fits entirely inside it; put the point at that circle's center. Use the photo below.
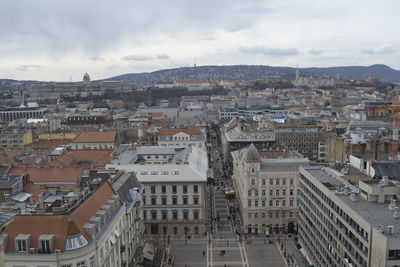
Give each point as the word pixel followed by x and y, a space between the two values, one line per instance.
pixel 255 72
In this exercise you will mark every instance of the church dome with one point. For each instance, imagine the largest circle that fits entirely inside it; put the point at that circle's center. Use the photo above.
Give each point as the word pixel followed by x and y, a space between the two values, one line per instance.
pixel 86 76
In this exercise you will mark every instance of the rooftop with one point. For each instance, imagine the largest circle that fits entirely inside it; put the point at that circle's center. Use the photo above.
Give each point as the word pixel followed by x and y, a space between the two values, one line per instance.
pixel 96 137
pixel 373 212
pixel 194 131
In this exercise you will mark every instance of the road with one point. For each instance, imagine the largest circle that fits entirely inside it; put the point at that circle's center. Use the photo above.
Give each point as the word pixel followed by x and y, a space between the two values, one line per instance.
pixel 222 246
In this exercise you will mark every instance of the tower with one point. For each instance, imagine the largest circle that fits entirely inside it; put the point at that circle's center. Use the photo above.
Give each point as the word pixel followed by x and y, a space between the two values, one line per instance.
pixel 86 78
pixel 297 73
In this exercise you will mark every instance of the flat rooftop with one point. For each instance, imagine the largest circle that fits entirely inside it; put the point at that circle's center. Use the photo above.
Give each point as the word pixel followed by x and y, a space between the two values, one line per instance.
pixel 373 212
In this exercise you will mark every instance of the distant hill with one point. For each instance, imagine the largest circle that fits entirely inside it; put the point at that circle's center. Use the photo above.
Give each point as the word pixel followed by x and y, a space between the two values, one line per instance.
pixel 257 72
pixel 237 73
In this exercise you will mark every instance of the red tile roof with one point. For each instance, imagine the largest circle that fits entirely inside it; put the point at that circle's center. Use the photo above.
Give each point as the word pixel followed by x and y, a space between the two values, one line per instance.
pixel 96 157
pixel 49 173
pixel 51 143
pixel 96 137
pixel 194 131
pixel 58 225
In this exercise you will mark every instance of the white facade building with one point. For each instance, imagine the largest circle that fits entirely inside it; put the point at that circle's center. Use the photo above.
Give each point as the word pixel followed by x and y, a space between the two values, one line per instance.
pixel 175 186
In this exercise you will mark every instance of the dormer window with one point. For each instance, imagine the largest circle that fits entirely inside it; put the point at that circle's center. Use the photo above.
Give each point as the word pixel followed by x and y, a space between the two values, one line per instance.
pixel 22 242
pixel 45 244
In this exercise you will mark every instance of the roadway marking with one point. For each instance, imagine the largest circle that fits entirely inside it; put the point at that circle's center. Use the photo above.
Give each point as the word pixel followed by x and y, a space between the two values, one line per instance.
pixel 243 254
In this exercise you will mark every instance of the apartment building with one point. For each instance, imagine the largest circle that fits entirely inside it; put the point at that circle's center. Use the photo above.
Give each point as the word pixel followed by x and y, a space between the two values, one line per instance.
pixel 15 138
pixel 89 234
pixel 266 187
pixel 95 140
pixel 178 137
pixel 344 225
pixel 174 180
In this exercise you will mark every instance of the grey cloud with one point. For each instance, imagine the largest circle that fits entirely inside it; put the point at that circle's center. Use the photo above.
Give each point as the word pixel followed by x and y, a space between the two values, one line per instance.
pixel 28 67
pixel 162 56
pixel 315 52
pixel 137 58
pixel 383 49
pixel 272 51
pixel 96 58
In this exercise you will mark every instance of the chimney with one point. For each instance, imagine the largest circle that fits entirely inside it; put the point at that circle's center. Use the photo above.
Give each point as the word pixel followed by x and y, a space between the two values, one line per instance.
pixel 111 203
pixel 102 215
pixel 96 221
pixel 107 209
pixel 90 229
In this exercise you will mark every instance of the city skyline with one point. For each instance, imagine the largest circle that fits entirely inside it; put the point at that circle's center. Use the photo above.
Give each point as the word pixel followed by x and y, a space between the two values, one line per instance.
pixel 60 41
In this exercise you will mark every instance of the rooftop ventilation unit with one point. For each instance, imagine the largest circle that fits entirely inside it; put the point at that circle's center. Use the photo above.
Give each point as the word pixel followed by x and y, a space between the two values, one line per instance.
pixel 379 228
pixel 390 229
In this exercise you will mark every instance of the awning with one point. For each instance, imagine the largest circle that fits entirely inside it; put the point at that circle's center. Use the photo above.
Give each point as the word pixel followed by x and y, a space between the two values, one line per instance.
pixel 308 258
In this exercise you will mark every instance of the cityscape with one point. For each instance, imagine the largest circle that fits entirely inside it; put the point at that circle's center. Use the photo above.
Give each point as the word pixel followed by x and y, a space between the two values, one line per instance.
pixel 215 134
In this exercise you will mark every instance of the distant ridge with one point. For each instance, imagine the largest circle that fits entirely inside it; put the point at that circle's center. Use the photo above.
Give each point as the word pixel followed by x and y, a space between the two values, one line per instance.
pixel 257 72
pixel 237 73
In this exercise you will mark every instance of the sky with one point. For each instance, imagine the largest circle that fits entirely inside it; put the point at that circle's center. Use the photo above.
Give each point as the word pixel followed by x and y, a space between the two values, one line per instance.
pixel 61 40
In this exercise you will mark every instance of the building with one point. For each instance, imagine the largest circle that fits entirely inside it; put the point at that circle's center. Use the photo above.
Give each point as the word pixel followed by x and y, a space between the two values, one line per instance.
pixel 266 188
pixel 128 188
pixel 8 114
pixel 174 180
pixel 15 138
pixel 5 219
pixel 95 140
pixel 89 234
pixel 182 137
pixel 344 225
pixel 10 186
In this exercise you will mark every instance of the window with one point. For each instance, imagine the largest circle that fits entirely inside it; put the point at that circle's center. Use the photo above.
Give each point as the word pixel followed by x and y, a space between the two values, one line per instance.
pixel 249 192
pixel 271 192
pixel 80 264
pixel 195 189
pixel 291 214
pixel 263 203
pixel 154 215
pixel 174 200
pixel 291 181
pixel 277 203
pixel 252 170
pixel 164 200
pixel 143 172
pixel 256 203
pixel 277 181
pixel 277 192
pixel 291 202
pixel 144 215
pixel 164 214
pixel 185 189
pixel 91 261
pixel 153 189
pixel 256 193
pixel 283 203
pixel 284 192
pixel 255 215
pixel 277 214
pixel 271 182
pixel 144 200
pixel 175 230
pixel 263 193
pixel 291 192
pixel 283 214
pixel 44 245
pixel 154 173
pixel 185 200
pixel 271 203
pixel 284 181
pixel 174 189
pixel 196 230
pixel 249 203
pixel 164 173
pixel 196 215
pixel 249 215
pixel 22 242
pixel 270 215
pixel 6 192
pixel 263 181
pixel 175 215
pixel 148 157
pixel 153 201
pixel 185 215
pixel 175 172
pixel 195 200
pixel 163 189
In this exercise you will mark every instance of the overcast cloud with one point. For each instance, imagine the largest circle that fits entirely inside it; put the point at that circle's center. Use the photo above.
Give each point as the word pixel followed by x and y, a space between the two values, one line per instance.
pixel 56 40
